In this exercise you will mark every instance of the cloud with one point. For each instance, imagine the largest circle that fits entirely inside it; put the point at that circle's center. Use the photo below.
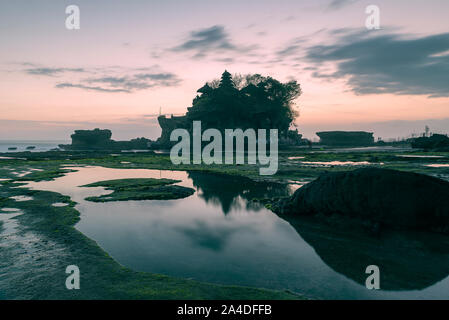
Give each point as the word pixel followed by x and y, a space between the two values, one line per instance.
pixel 386 63
pixel 209 40
pixel 338 4
pixel 289 50
pixel 297 45
pixel 51 71
pixel 138 81
pixel 112 79
pixel 206 39
pixel 94 88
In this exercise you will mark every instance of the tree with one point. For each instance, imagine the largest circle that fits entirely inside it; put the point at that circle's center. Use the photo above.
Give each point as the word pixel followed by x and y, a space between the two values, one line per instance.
pixel 250 101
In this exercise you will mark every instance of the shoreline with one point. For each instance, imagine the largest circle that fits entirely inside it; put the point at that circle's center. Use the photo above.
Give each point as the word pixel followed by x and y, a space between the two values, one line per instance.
pixel 58 243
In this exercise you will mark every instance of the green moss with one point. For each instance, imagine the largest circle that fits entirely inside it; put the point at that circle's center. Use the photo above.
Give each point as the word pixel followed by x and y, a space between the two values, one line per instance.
pixel 140 189
pixel 39 272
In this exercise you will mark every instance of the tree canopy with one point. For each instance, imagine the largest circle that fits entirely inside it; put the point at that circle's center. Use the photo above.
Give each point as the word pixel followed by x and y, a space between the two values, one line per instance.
pixel 251 101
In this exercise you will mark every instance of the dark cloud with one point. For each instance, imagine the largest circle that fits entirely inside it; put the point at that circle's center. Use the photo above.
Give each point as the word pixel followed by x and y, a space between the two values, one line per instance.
pixel 387 63
pixel 289 50
pixel 207 39
pixel 213 39
pixel 51 71
pixel 338 4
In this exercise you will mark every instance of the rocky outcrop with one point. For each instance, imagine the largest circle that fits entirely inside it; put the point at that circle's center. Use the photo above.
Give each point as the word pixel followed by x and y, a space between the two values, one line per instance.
pixel 346 138
pixel 100 139
pixel 379 197
pixel 436 141
pixel 168 125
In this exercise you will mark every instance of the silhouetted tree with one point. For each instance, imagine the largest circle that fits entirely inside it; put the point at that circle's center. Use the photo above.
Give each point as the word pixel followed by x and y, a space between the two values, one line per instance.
pixel 251 101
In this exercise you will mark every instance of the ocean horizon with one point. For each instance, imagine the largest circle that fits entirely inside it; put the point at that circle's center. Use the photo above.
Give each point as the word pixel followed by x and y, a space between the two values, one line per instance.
pixel 22 145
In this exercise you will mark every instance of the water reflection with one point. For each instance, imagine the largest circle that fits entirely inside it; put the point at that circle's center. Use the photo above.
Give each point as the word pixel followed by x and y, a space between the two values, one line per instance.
pixel 219 235
pixel 407 260
pixel 233 192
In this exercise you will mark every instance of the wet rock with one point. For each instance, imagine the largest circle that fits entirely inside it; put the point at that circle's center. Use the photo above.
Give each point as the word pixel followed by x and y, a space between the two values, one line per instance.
pixel 377 197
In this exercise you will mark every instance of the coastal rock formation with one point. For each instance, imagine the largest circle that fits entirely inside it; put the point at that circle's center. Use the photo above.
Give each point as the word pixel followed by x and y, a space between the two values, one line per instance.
pixel 377 197
pixel 100 139
pixel 346 138
pixel 168 125
pixel 436 141
pixel 242 102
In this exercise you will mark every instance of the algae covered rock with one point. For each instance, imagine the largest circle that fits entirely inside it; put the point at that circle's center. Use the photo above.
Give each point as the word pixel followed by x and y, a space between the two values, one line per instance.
pixel 380 197
pixel 140 189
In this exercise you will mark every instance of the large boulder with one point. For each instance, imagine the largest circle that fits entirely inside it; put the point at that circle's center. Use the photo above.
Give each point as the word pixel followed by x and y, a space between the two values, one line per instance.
pixel 380 197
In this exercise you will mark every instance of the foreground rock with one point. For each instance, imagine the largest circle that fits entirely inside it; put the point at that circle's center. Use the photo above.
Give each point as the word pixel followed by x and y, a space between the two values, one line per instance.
pixel 377 197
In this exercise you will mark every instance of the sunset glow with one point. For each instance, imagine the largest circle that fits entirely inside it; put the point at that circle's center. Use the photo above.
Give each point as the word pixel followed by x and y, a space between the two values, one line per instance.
pixel 129 60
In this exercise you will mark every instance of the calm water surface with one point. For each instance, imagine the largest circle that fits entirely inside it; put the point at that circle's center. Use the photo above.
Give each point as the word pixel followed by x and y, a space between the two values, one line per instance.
pixel 216 235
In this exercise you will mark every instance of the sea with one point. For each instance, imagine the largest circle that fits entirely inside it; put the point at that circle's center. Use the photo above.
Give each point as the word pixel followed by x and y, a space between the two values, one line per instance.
pixel 22 145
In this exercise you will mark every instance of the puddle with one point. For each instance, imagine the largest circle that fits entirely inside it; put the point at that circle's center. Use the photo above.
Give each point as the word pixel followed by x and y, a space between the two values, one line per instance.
pixel 60 204
pixel 438 165
pixel 418 156
pixel 9 225
pixel 338 163
pixel 9 210
pixel 21 198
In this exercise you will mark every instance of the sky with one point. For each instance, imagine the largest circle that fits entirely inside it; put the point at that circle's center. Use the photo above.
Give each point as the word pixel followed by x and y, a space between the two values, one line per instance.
pixel 132 59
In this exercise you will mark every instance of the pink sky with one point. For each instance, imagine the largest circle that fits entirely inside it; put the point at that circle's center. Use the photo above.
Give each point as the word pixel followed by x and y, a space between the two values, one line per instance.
pixel 54 80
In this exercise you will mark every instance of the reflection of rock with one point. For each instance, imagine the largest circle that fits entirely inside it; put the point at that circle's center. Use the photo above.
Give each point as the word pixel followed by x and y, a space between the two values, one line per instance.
pixel 407 261
pixel 225 190
pixel 346 138
pixel 101 140
pixel 382 197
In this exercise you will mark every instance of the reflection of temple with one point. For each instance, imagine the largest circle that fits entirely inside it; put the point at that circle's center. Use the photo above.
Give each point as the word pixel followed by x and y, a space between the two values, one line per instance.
pixel 407 261
pixel 233 192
